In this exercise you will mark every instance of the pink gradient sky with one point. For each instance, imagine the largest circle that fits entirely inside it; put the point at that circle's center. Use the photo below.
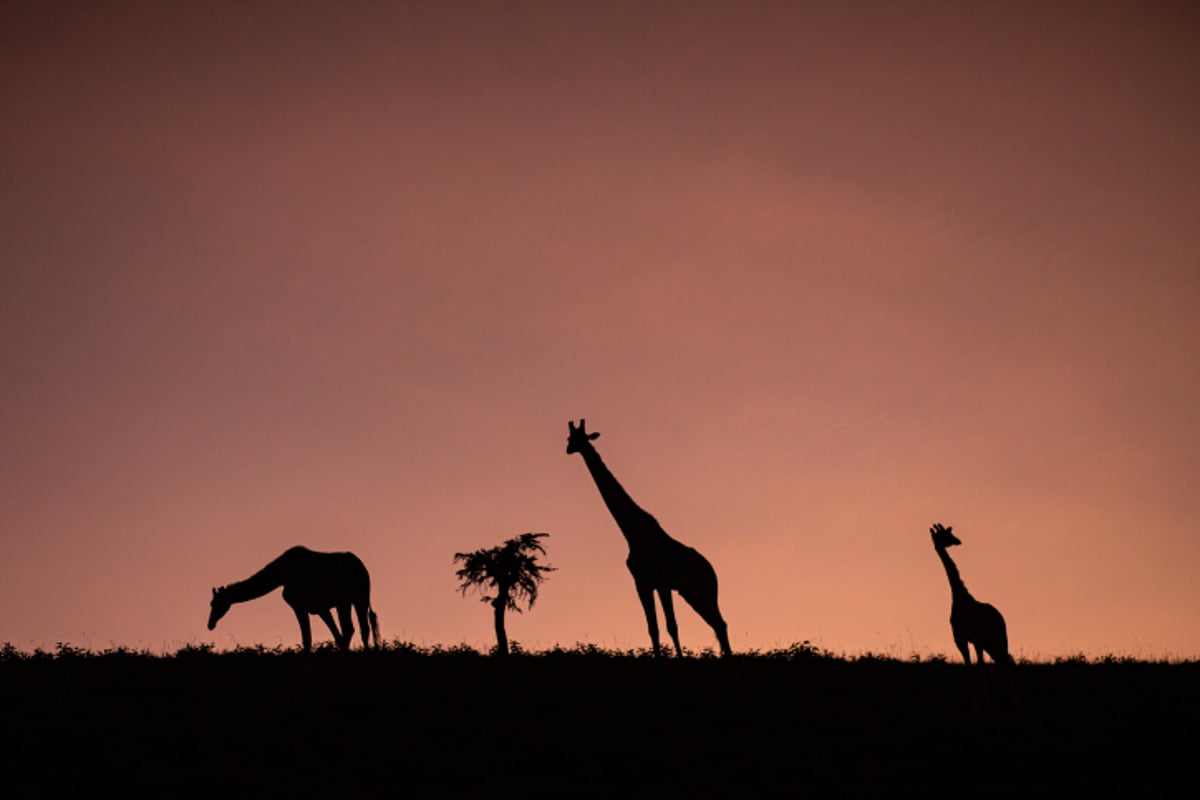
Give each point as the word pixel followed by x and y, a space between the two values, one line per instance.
pixel 820 273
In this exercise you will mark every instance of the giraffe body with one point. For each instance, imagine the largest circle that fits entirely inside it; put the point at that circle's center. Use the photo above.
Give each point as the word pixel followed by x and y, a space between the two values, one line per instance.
pixel 981 625
pixel 313 583
pixel 658 563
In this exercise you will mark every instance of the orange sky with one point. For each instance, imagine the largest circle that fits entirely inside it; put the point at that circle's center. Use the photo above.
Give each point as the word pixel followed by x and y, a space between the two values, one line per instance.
pixel 820 273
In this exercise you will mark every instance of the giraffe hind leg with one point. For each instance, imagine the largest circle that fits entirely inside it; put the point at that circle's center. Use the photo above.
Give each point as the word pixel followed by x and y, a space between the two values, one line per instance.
pixel 347 623
pixel 1005 668
pixel 1010 671
pixel 709 612
pixel 362 608
pixel 327 618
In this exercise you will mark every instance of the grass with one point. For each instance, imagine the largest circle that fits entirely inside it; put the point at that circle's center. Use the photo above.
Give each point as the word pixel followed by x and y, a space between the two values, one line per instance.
pixel 583 721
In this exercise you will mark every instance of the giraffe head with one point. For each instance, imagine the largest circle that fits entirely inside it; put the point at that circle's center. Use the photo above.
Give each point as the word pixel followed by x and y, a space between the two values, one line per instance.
pixel 943 537
pixel 577 438
pixel 220 605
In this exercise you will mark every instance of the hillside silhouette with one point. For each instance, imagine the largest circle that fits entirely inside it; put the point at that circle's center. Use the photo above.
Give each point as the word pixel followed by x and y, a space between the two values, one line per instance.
pixel 581 721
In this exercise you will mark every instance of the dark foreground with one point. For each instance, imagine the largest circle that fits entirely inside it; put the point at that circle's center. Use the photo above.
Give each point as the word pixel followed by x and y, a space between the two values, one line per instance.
pixel 583 722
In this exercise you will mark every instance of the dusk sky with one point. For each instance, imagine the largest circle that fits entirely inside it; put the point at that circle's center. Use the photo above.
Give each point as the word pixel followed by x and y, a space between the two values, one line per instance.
pixel 821 274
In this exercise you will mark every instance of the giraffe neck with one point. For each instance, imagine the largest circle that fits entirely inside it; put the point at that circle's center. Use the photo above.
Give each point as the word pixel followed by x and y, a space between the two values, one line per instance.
pixel 957 588
pixel 636 524
pixel 266 580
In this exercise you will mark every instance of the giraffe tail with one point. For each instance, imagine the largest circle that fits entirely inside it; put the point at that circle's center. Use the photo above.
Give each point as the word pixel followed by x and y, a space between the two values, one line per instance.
pixel 374 626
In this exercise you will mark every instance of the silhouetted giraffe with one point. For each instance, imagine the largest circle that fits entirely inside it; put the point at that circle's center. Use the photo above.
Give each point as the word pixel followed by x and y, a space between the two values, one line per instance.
pixel 658 562
pixel 972 622
pixel 313 583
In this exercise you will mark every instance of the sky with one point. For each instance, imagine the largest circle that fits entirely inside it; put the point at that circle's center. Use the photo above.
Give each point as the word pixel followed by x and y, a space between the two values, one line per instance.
pixel 820 273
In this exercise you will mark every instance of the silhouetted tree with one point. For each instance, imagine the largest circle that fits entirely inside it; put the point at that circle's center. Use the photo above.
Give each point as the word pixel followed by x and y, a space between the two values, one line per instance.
pixel 507 573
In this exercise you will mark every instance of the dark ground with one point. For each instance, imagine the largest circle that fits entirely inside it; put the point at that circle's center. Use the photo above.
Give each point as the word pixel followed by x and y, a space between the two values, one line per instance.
pixel 453 722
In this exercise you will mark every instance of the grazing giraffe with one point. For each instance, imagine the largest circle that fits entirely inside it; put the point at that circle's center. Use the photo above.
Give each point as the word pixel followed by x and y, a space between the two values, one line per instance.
pixel 657 562
pixel 972 622
pixel 313 583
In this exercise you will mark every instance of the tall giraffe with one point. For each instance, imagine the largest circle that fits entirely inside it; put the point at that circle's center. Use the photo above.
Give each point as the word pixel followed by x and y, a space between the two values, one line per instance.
pixel 972 622
pixel 313 583
pixel 658 563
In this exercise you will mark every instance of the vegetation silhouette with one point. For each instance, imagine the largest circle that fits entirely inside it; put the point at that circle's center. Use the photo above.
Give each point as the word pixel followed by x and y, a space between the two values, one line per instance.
pixel 276 721
pixel 973 622
pixel 658 563
pixel 510 572
pixel 313 583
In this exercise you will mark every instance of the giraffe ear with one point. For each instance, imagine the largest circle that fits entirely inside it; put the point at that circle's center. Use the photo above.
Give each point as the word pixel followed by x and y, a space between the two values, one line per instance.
pixel 214 591
pixel 592 436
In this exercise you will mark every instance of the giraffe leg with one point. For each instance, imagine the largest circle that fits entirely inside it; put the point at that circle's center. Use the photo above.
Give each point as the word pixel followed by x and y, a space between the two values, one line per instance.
pixel 710 613
pixel 363 623
pixel 664 595
pixel 1006 666
pixel 305 629
pixel 328 620
pixel 1010 671
pixel 983 677
pixel 965 648
pixel 646 595
pixel 347 623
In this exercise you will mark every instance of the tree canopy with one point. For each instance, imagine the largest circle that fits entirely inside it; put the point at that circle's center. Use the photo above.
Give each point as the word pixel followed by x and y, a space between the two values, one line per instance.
pixel 507 573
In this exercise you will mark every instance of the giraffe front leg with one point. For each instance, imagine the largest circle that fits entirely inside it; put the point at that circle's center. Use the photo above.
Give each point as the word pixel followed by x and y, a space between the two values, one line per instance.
pixel 646 595
pixel 964 647
pixel 305 629
pixel 664 595
pixel 984 679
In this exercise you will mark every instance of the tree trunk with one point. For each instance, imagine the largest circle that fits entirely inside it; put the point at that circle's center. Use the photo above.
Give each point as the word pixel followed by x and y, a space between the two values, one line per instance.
pixel 499 605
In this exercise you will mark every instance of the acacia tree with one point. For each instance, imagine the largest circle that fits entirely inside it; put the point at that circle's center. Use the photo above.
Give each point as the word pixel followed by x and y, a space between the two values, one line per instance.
pixel 504 575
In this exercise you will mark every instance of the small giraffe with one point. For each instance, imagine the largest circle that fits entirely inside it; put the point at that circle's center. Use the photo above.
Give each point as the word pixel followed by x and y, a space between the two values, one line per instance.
pixel 972 622
pixel 658 563
pixel 313 583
